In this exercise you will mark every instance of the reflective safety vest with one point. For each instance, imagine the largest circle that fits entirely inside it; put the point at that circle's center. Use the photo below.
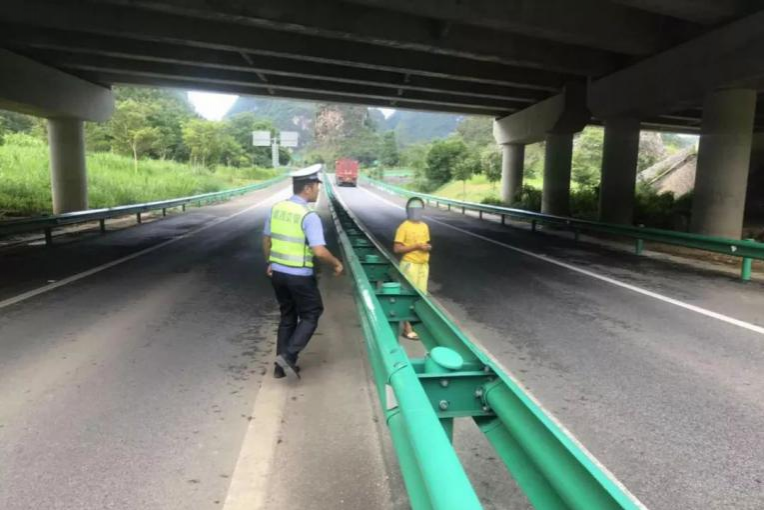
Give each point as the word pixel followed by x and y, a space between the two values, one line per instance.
pixel 289 246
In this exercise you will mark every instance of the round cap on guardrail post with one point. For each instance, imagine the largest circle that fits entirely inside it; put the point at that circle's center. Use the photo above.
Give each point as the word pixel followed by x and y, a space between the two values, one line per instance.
pixel 391 288
pixel 442 360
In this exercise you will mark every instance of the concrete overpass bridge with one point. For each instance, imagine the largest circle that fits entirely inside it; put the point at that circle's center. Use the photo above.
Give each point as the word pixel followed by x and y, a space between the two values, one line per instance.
pixel 543 69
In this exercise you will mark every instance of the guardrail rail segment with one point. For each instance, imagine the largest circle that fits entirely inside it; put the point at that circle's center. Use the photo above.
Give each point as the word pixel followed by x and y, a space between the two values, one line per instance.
pixel 421 398
pixel 746 249
pixel 48 223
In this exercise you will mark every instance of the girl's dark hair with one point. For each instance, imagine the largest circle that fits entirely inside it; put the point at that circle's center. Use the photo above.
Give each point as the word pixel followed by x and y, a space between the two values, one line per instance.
pixel 414 199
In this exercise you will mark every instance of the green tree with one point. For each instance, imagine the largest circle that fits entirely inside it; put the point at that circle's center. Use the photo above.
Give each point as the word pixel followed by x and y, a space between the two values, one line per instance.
pixel 534 160
pixel 415 157
pixel 240 128
pixel 476 131
pixel 168 110
pixel 467 165
pixel 389 155
pixel 491 162
pixel 207 141
pixel 131 131
pixel 442 158
pixel 587 157
pixel 651 150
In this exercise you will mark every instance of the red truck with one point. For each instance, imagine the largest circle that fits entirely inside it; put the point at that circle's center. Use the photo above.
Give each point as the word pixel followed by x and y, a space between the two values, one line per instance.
pixel 347 172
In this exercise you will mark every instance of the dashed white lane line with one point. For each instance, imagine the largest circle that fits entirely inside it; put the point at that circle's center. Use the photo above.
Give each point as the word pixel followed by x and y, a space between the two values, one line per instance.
pixel 639 290
pixel 84 274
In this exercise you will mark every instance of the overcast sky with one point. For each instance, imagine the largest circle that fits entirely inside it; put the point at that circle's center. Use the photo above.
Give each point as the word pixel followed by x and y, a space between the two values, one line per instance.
pixel 214 106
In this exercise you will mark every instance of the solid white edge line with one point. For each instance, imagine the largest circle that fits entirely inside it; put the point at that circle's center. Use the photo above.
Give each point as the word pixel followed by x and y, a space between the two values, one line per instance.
pixel 681 304
pixel 84 274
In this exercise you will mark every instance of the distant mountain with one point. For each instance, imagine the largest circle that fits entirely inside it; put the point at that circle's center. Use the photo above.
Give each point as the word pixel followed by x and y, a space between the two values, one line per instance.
pixel 412 127
pixel 288 115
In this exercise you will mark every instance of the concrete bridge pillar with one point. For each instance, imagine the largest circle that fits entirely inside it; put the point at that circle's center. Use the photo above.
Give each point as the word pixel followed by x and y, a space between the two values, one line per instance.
pixel 619 170
pixel 555 195
pixel 66 137
pixel 724 154
pixel 512 161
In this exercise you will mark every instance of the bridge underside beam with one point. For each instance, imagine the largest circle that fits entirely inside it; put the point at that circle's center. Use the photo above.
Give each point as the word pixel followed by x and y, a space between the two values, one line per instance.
pixel 29 87
pixel 195 74
pixel 265 91
pixel 262 39
pixel 727 57
pixel 64 49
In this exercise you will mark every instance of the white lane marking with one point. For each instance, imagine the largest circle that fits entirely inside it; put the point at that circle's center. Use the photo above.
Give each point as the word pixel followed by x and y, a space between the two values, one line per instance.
pixel 79 276
pixel 251 476
pixel 687 306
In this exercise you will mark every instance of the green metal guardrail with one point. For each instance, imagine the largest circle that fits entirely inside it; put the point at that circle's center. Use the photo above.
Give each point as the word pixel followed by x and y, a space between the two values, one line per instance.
pixel 421 398
pixel 747 249
pixel 48 223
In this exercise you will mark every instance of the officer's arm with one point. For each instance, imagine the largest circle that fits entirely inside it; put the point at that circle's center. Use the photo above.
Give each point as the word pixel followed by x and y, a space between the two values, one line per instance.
pixel 327 258
pixel 267 247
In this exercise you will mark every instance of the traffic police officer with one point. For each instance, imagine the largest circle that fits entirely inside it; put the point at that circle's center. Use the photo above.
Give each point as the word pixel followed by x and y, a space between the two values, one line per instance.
pixel 293 235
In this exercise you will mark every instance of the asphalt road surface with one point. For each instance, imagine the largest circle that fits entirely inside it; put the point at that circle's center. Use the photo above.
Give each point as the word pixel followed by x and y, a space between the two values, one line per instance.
pixel 655 367
pixel 132 388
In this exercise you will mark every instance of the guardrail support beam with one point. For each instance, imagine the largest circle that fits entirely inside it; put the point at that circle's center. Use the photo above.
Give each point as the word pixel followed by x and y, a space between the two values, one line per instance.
pixel 69 181
pixel 619 170
pixel 724 154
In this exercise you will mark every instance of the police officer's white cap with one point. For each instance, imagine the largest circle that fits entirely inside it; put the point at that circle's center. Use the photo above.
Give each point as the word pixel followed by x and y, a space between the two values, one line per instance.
pixel 309 174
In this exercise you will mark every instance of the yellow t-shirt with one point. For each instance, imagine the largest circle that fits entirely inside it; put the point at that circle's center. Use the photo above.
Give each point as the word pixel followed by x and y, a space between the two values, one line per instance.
pixel 414 233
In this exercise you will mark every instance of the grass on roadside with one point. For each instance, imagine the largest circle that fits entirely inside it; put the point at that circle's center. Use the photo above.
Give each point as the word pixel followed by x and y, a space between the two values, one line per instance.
pixel 25 179
pixel 477 189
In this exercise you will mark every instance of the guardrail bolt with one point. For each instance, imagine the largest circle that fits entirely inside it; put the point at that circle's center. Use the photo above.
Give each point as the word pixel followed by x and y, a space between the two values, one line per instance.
pixel 486 409
pixel 443 404
pixel 479 393
pixel 444 383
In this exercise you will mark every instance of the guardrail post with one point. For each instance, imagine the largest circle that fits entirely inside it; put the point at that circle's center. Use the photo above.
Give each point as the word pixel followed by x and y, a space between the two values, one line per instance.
pixel 102 225
pixel 503 219
pixel 745 273
pixel 183 207
pixel 164 211
pixel 138 217
pixel 575 234
pixel 449 207
pixel 639 244
pixel 480 214
pixel 443 360
pixel 464 211
pixel 745 270
pixel 48 236
pixel 533 225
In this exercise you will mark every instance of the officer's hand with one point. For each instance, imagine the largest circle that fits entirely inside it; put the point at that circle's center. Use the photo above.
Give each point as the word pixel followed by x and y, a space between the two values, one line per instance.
pixel 338 269
pixel 425 247
pixel 269 271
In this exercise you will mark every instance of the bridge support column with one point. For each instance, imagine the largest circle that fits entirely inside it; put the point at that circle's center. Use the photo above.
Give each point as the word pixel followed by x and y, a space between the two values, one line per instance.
pixel 555 195
pixel 723 161
pixel 66 137
pixel 512 161
pixel 619 170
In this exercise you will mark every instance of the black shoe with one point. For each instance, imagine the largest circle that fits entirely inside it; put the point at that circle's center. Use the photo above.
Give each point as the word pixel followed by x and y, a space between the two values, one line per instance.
pixel 278 372
pixel 288 367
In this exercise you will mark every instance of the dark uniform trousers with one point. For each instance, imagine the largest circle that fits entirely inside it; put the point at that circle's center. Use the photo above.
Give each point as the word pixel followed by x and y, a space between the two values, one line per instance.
pixel 301 306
